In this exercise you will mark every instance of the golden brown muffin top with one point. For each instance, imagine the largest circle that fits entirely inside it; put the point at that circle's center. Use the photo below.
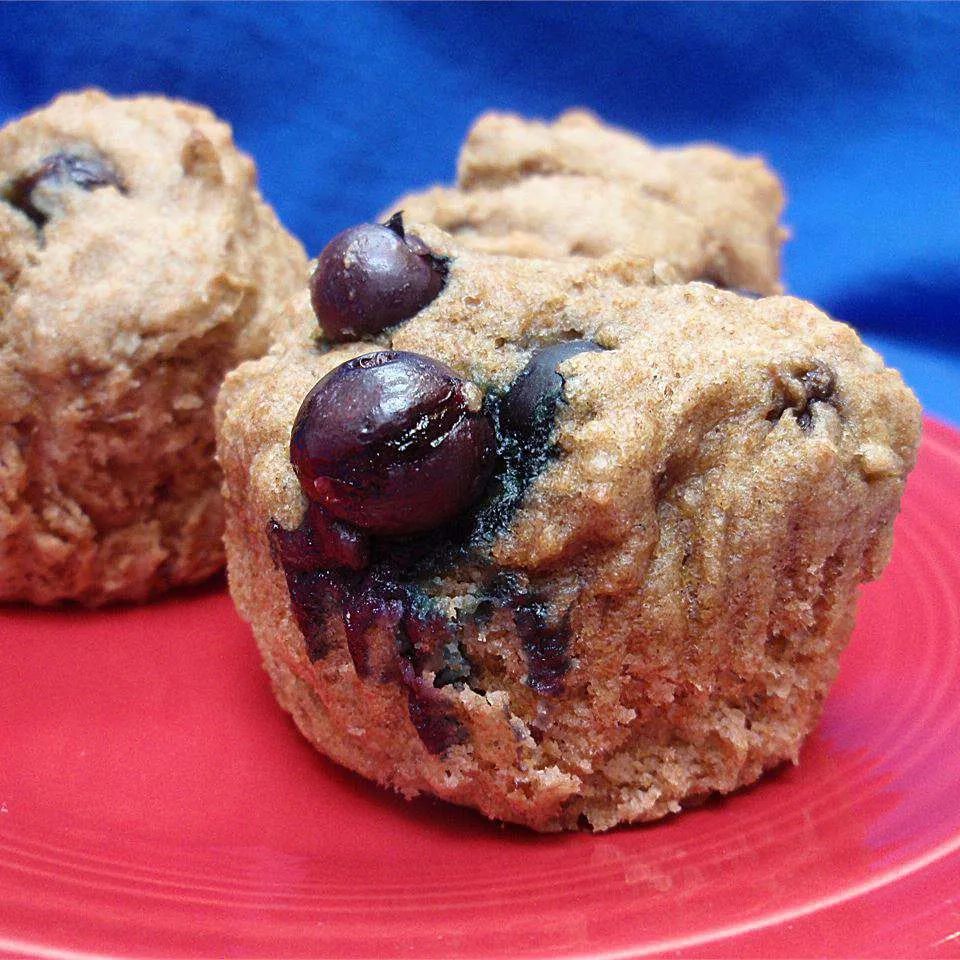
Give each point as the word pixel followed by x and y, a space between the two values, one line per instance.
pixel 170 240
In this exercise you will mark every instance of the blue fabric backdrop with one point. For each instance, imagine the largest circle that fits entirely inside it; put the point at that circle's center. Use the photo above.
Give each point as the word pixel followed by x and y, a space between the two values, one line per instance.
pixel 345 106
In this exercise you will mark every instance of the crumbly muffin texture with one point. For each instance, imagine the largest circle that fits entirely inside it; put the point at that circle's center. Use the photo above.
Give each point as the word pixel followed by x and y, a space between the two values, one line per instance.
pixel 577 187
pixel 661 616
pixel 138 264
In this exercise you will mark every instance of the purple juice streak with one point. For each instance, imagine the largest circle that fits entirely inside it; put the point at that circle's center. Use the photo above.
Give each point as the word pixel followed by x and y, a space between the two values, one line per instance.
pixel 415 641
pixel 319 542
pixel 368 607
pixel 313 596
pixel 427 634
pixel 545 646
pixel 430 713
pixel 365 608
pixel 366 604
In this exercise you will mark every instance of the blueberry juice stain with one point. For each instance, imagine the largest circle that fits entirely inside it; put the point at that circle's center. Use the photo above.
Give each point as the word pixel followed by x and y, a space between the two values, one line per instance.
pixel 376 581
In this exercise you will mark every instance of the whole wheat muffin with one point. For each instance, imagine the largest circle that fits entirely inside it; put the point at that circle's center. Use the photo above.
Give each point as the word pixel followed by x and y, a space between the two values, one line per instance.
pixel 571 545
pixel 138 264
pixel 579 187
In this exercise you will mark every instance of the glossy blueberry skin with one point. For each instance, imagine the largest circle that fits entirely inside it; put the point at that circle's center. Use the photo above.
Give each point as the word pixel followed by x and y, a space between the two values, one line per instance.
pixel 87 173
pixel 533 396
pixel 393 443
pixel 371 277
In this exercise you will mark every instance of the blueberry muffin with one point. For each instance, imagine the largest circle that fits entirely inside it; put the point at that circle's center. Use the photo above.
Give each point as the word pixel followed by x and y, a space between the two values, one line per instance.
pixel 565 542
pixel 579 187
pixel 138 264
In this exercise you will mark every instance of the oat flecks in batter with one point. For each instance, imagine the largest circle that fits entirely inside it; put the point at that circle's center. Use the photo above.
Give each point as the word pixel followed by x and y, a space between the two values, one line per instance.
pixel 138 264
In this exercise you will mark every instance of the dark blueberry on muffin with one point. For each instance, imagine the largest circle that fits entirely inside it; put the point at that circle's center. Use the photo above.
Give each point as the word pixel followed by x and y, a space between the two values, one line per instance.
pixel 371 277
pixel 393 442
pixel 534 395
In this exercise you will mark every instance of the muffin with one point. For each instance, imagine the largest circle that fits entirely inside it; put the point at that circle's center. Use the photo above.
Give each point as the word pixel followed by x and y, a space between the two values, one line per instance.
pixel 576 187
pixel 138 263
pixel 569 543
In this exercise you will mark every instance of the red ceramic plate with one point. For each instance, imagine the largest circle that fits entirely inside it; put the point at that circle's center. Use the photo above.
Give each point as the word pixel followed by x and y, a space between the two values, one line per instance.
pixel 154 800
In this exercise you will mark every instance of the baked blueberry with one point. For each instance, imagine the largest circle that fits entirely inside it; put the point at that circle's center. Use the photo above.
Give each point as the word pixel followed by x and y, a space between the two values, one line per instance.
pixel 373 276
pixel 533 396
pixel 393 442
pixel 58 170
